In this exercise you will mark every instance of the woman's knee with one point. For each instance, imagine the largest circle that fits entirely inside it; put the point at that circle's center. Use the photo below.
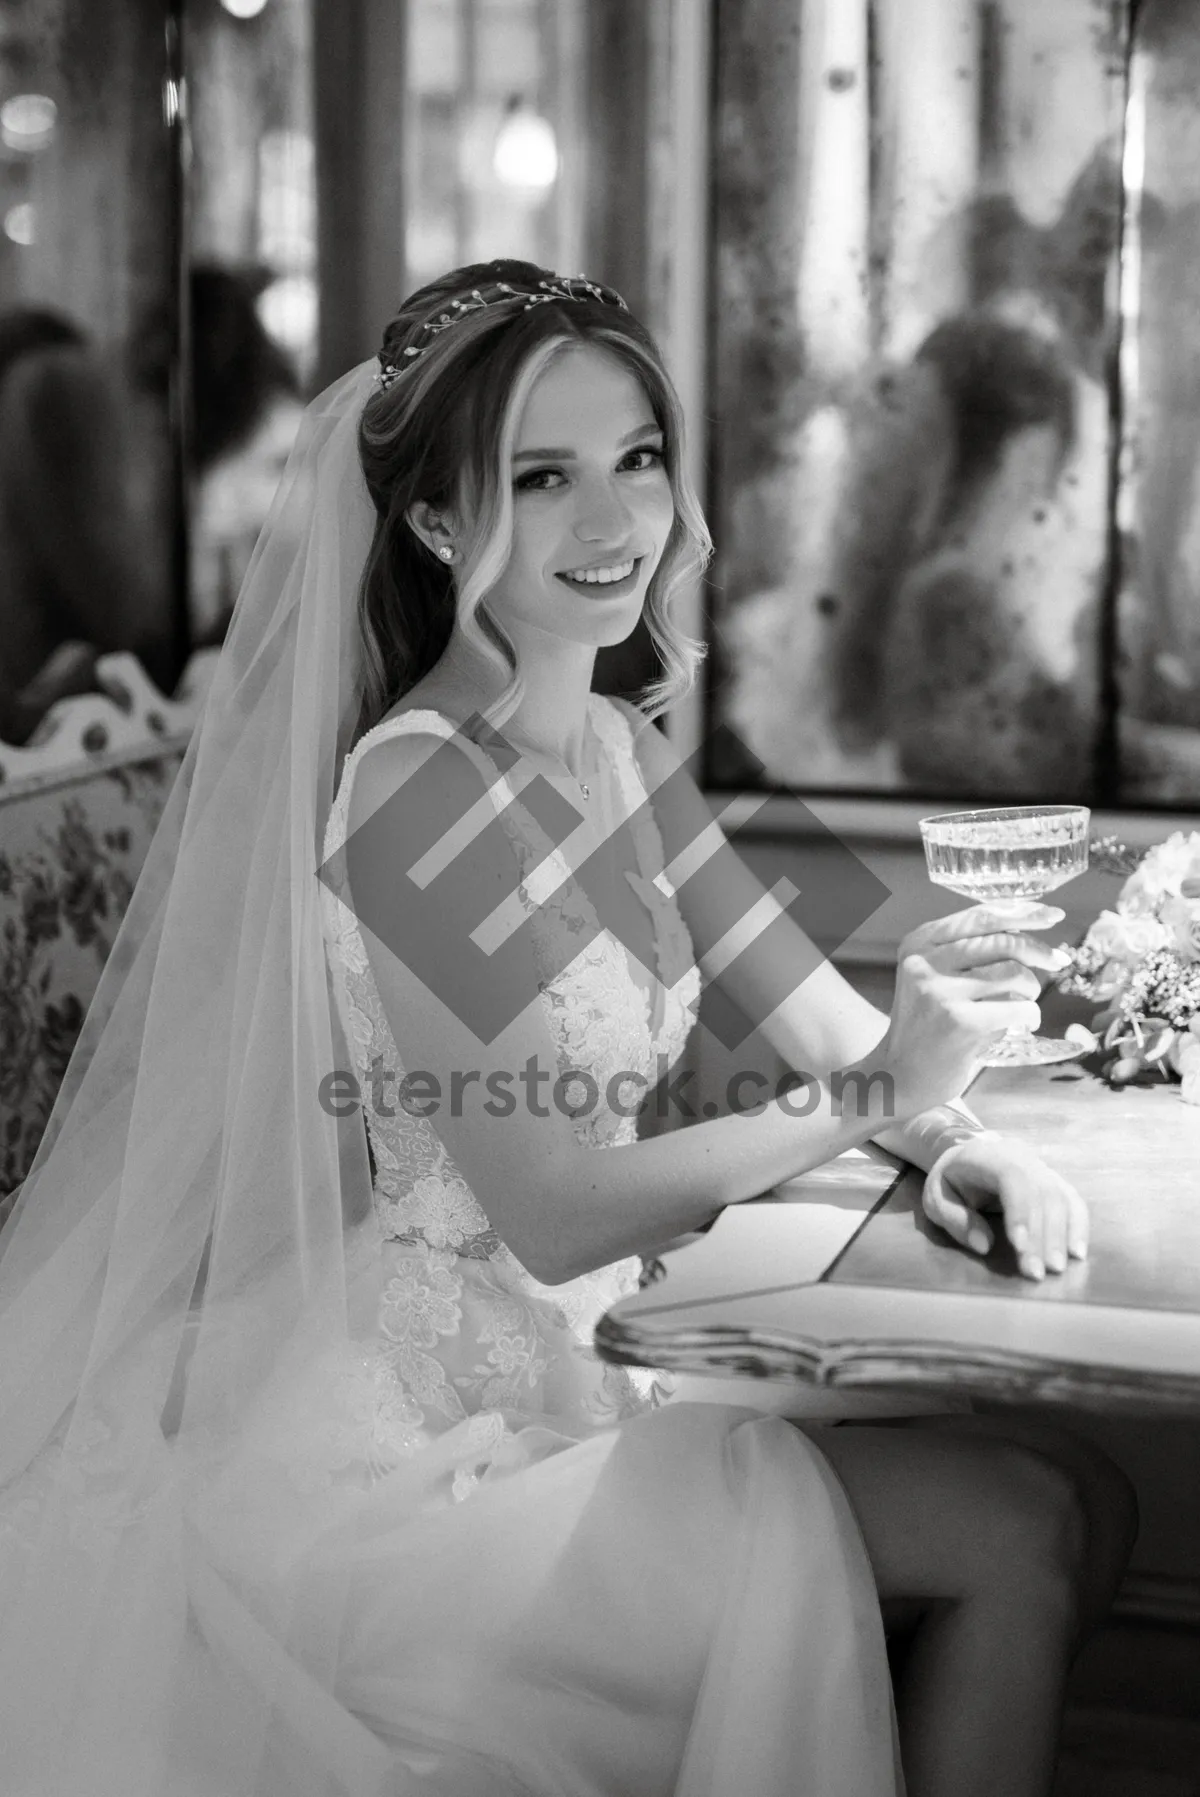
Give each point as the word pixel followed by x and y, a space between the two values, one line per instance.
pixel 1041 1528
pixel 1107 1494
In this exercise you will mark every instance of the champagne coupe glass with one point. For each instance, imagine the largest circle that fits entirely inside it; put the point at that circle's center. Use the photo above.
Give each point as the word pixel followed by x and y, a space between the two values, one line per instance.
pixel 1004 858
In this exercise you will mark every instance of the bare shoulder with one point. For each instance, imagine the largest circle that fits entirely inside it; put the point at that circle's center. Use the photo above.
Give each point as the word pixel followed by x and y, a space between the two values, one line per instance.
pixel 451 781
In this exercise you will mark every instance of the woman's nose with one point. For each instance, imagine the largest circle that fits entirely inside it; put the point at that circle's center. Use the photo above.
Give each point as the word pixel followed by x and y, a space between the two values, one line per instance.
pixel 604 515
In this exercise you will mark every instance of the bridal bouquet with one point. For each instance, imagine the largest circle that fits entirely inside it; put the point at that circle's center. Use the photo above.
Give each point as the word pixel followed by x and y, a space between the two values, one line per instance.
pixel 1142 962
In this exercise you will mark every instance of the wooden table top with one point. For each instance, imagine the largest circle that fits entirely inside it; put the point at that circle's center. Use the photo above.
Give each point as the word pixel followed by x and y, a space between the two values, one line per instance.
pixel 837 1280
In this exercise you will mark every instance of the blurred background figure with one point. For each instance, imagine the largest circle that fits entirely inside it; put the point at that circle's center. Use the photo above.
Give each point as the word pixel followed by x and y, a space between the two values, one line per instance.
pixel 76 578
pixel 939 628
pixel 246 407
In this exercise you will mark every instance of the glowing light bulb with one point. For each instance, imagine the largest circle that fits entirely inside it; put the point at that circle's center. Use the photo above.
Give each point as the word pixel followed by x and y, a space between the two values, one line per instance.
pixel 20 223
pixel 27 122
pixel 244 9
pixel 289 310
pixel 526 152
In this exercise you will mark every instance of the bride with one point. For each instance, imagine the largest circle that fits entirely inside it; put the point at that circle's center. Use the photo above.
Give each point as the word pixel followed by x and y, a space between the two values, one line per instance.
pixel 310 1481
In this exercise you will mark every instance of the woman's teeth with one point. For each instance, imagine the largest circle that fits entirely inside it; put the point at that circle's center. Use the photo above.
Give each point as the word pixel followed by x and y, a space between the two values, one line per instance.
pixel 599 577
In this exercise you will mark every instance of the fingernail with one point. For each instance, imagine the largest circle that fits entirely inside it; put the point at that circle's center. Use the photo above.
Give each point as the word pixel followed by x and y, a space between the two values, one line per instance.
pixel 1018 1235
pixel 1056 1262
pixel 1062 956
pixel 979 1241
pixel 1033 1266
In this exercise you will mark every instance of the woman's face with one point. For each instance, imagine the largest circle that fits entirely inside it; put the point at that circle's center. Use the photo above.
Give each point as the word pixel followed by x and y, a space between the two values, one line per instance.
pixel 592 503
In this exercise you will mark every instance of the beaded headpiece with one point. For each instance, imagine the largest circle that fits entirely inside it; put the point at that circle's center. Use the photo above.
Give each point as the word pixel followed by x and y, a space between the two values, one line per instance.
pixel 500 293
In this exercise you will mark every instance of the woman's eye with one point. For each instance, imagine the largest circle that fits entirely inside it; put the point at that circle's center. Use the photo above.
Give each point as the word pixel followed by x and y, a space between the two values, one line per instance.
pixel 539 480
pixel 645 458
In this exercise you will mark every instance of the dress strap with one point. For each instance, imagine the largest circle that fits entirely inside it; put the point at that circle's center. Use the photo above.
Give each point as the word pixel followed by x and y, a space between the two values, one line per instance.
pixel 547 878
pixel 422 720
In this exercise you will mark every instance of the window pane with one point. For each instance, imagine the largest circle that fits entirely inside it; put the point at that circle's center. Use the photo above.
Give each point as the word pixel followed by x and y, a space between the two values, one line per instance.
pixel 1160 618
pixel 917 219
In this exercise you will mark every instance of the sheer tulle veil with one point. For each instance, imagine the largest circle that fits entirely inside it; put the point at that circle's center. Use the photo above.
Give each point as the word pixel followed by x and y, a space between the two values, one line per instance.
pixel 189 1236
pixel 212 1572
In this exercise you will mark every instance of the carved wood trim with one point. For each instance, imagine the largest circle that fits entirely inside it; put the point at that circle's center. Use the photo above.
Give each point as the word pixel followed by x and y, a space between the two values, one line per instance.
pixel 890 1364
pixel 131 720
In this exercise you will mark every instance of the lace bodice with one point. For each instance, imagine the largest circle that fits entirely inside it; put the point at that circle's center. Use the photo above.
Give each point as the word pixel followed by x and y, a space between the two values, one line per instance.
pixel 465 1329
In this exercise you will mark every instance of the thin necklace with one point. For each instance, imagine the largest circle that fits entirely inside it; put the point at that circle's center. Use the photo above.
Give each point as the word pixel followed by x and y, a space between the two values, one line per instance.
pixel 583 785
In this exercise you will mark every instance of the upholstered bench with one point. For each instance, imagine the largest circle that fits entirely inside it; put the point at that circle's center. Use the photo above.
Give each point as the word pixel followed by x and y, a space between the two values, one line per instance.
pixel 79 804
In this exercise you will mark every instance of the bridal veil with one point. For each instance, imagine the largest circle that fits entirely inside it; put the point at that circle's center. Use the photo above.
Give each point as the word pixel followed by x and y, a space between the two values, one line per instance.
pixel 200 1595
pixel 182 1234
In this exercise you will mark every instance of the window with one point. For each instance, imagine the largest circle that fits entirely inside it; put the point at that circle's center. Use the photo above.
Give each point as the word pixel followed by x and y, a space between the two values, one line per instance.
pixel 955 354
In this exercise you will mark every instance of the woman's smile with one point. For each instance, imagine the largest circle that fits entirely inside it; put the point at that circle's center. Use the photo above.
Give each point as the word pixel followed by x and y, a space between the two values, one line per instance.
pixel 608 580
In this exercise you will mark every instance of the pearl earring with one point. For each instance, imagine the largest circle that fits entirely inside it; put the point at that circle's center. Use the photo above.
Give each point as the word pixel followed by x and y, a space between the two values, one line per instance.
pixel 446 553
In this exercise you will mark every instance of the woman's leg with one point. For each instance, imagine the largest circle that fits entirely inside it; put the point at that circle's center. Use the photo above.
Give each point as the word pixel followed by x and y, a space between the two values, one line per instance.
pixel 1107 1497
pixel 989 1539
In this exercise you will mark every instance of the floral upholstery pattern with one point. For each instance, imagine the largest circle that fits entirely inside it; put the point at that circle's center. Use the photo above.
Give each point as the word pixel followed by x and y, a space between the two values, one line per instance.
pixel 70 855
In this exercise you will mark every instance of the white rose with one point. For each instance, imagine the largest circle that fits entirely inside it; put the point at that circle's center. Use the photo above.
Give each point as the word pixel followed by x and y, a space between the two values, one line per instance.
pixel 1181 918
pixel 1125 938
pixel 1160 875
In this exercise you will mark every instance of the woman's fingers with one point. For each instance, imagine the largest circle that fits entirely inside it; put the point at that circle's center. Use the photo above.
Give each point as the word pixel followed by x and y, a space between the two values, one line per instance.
pixel 1006 978
pixel 1078 1224
pixel 1045 1219
pixel 982 1009
pixel 999 950
pixel 1020 1204
pixel 1041 1214
pixel 983 920
pixel 1054 1229
pixel 944 1207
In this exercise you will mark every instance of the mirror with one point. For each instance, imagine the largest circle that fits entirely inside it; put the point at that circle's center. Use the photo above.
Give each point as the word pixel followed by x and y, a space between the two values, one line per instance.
pixel 918 324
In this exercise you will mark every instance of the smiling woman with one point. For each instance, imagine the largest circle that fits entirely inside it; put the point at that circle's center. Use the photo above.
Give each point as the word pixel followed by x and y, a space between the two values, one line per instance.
pixel 534 380
pixel 336 1430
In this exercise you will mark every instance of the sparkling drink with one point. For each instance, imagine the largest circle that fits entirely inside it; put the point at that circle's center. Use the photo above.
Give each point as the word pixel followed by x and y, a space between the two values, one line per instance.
pixel 1006 857
pixel 1001 863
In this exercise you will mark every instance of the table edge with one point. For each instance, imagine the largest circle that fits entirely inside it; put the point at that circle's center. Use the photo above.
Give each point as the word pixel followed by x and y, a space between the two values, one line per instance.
pixel 891 1364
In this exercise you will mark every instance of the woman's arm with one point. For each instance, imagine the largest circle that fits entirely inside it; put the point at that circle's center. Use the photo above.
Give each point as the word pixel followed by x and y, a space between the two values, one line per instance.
pixel 816 1021
pixel 562 1208
pixel 780 980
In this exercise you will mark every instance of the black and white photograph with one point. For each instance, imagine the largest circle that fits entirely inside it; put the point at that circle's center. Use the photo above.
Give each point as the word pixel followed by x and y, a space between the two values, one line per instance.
pixel 599 898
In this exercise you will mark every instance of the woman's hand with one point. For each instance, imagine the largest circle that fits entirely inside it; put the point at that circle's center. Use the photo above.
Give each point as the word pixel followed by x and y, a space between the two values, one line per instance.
pixel 960 981
pixel 1042 1214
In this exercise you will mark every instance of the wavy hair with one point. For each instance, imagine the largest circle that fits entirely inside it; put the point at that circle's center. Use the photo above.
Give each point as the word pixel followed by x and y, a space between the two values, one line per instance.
pixel 443 433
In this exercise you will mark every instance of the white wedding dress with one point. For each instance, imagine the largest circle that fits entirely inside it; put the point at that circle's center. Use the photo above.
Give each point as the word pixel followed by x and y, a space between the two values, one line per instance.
pixel 566 1585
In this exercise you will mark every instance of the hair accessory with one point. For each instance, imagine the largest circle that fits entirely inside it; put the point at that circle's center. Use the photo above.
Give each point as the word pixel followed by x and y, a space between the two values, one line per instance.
pixel 562 287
